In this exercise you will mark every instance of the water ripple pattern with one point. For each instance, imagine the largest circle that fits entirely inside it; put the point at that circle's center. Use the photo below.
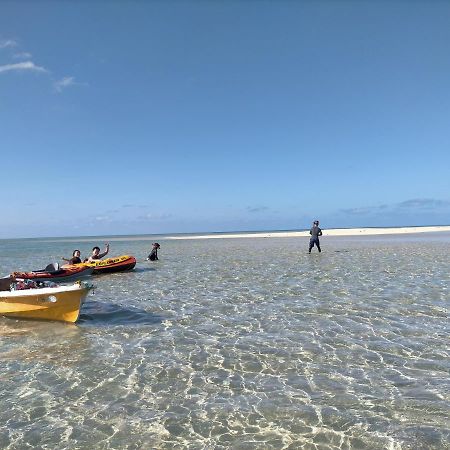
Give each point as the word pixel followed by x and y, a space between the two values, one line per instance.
pixel 240 344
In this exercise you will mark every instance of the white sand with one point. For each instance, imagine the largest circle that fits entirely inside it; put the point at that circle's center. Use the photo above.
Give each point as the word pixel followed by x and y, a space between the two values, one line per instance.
pixel 332 232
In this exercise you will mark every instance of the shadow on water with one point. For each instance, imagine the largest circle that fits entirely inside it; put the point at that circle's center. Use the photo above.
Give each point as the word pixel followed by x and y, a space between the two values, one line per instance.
pixel 126 273
pixel 110 314
pixel 144 269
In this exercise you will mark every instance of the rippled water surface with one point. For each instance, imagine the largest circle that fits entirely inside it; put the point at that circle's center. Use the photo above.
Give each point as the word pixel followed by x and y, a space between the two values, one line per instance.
pixel 238 343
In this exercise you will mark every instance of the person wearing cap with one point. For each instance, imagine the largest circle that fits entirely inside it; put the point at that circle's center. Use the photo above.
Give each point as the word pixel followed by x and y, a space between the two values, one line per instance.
pixel 154 253
pixel 315 232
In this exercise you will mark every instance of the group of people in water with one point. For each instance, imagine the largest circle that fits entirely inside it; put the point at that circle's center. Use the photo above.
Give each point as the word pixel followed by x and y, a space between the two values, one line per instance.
pixel 76 255
pixel 315 232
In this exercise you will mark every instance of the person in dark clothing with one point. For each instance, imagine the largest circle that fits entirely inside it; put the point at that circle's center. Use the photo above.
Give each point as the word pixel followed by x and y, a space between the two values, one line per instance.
pixel 154 253
pixel 315 232
pixel 75 258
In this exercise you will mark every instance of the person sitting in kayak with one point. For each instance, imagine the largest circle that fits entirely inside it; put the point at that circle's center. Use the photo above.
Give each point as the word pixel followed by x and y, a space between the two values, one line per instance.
pixel 154 253
pixel 75 258
pixel 96 254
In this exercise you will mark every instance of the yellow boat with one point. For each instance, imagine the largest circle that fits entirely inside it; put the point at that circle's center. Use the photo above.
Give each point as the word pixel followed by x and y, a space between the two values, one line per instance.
pixel 61 303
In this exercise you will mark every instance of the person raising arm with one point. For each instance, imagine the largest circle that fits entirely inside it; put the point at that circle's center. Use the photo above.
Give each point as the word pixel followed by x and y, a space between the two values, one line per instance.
pixel 96 253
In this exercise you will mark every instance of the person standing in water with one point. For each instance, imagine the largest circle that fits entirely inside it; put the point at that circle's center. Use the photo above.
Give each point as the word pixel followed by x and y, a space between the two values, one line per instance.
pixel 154 253
pixel 315 232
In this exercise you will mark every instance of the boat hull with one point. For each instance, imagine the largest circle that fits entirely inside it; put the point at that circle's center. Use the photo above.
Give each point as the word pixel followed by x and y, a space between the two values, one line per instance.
pixel 61 303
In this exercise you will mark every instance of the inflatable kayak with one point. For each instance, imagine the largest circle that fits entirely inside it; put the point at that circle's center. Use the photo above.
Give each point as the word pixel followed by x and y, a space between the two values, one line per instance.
pixel 110 265
pixel 55 273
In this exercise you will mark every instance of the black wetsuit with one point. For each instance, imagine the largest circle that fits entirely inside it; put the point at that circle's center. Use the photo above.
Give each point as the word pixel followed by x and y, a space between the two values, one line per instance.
pixel 75 260
pixel 315 232
pixel 153 255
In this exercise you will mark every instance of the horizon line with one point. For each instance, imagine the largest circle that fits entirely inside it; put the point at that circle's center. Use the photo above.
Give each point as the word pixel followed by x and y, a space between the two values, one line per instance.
pixel 95 236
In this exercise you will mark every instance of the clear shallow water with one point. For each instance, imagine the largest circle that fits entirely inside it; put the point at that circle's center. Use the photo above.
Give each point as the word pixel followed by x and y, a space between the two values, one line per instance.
pixel 246 343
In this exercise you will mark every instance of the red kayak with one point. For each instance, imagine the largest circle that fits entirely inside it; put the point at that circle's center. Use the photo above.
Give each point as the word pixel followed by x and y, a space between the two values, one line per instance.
pixel 55 273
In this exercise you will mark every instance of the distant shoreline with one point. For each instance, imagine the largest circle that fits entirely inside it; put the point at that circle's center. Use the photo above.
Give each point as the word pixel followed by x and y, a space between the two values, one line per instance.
pixel 330 232
pixel 366 231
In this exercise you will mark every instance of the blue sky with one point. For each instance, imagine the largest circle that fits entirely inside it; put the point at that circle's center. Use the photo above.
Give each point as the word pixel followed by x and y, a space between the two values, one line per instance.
pixel 163 117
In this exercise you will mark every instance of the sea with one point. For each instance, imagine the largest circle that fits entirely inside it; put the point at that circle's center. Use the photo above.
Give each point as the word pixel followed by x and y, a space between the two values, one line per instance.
pixel 247 343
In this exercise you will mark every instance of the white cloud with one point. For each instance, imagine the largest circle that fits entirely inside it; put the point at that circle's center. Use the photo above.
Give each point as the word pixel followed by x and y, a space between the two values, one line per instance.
pixel 22 55
pixel 155 216
pixel 7 43
pixel 65 82
pixel 255 209
pixel 26 65
pixel 102 218
pixel 414 205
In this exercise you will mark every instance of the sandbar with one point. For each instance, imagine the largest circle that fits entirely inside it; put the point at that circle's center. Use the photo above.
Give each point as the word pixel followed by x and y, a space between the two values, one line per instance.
pixel 330 232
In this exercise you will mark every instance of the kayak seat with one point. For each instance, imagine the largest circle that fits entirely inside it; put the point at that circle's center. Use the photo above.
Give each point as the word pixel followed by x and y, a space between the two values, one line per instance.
pixel 52 268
